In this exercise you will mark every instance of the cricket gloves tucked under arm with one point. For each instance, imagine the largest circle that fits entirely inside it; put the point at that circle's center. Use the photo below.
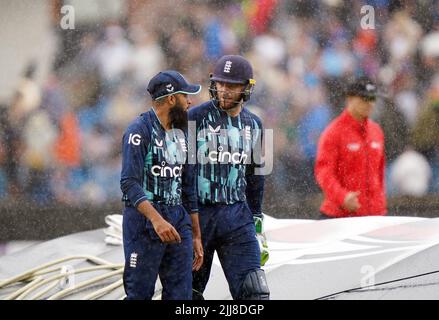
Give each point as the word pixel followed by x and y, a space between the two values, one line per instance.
pixel 262 240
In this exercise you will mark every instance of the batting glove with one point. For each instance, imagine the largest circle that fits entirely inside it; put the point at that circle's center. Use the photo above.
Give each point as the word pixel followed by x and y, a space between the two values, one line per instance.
pixel 260 236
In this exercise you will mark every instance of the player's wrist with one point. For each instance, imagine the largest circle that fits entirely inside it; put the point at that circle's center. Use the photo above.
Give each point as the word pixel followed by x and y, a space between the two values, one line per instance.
pixel 196 233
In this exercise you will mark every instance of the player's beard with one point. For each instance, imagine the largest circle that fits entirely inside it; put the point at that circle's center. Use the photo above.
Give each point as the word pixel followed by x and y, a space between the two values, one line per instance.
pixel 178 116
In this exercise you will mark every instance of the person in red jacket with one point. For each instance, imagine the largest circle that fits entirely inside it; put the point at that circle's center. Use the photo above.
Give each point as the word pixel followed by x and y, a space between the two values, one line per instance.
pixel 350 158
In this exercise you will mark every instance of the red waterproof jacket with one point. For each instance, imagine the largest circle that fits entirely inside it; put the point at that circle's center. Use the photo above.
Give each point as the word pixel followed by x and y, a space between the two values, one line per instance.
pixel 350 157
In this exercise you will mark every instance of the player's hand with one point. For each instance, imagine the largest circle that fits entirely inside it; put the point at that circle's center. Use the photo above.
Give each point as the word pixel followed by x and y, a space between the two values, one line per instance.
pixel 166 231
pixel 351 201
pixel 198 254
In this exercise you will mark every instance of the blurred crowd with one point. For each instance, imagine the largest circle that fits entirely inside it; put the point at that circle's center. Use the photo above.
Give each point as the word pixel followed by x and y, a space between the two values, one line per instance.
pixel 61 142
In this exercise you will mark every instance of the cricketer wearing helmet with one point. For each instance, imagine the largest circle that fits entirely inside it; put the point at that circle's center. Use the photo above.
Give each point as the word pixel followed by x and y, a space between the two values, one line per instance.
pixel 229 192
pixel 159 190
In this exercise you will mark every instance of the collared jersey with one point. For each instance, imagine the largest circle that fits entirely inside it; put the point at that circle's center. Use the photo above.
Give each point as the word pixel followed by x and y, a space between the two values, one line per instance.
pixel 225 162
pixel 154 165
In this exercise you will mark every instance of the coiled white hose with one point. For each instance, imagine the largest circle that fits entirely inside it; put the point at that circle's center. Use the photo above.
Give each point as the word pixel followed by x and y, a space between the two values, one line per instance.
pixel 38 286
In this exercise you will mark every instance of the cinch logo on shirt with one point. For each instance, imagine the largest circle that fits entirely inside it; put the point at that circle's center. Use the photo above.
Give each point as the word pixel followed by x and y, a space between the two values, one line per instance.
pixel 165 171
pixel 221 156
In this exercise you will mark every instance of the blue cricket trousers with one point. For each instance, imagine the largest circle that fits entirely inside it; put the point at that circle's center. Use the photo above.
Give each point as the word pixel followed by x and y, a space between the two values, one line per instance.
pixel 230 230
pixel 146 257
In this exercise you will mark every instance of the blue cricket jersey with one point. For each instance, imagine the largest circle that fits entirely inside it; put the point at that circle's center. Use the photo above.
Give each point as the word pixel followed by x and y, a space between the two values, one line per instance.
pixel 225 174
pixel 154 165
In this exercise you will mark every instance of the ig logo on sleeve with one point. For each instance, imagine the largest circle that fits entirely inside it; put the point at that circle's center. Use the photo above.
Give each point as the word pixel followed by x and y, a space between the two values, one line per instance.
pixel 134 139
